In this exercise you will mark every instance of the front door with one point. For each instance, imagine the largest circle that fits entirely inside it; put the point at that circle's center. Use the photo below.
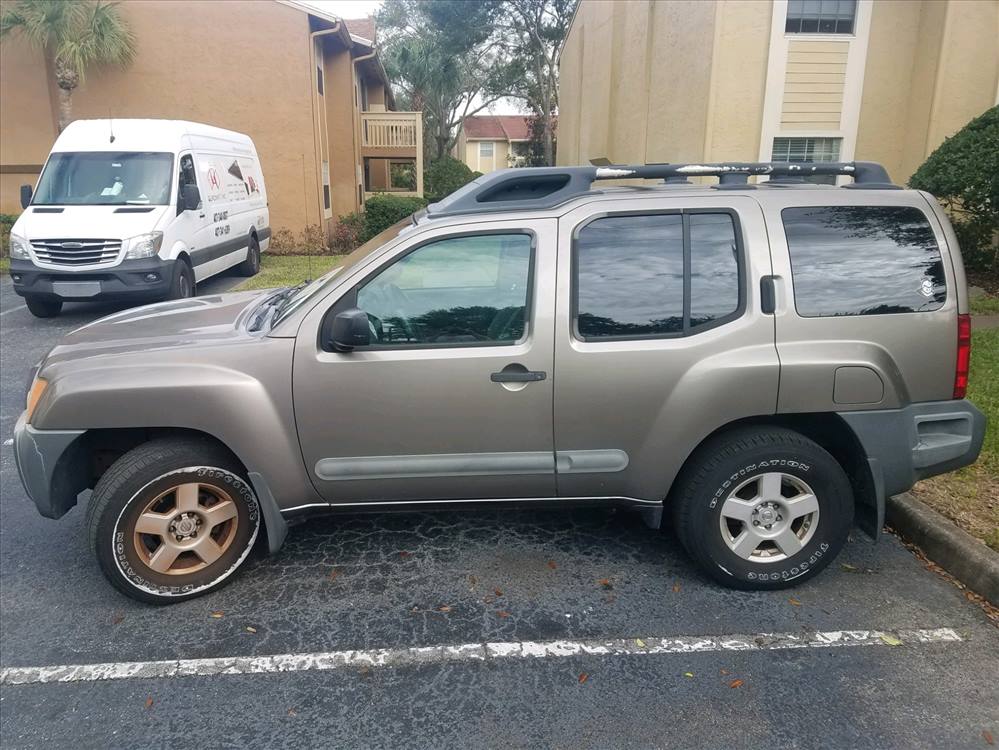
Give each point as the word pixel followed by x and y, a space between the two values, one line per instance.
pixel 453 398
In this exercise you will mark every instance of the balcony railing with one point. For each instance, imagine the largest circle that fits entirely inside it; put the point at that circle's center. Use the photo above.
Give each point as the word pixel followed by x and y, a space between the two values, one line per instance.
pixel 392 130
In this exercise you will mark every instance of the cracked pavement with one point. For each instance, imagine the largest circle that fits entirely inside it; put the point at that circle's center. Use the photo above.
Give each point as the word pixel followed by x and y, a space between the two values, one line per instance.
pixel 419 579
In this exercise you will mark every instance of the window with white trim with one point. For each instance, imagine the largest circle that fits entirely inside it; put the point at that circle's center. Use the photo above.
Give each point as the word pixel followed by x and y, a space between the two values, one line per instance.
pixel 808 150
pixel 820 16
pixel 486 149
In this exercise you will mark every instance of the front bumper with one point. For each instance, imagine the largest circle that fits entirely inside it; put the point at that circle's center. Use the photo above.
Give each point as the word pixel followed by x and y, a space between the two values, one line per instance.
pixel 147 278
pixel 50 470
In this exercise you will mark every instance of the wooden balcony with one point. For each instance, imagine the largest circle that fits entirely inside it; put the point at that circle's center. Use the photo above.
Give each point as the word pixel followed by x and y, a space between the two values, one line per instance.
pixel 391 134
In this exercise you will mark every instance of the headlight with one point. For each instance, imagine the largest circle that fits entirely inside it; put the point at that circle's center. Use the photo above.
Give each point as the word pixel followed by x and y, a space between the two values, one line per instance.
pixel 19 248
pixel 34 396
pixel 143 246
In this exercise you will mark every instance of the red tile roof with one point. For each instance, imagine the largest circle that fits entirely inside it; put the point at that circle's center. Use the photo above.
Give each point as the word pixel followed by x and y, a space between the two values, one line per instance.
pixel 362 27
pixel 498 127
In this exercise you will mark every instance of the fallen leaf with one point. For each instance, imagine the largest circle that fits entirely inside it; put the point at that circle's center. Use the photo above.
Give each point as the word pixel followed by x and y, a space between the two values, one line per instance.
pixel 497 592
pixel 503 613
pixel 605 582
pixel 334 574
pixel 987 736
pixel 217 615
pixel 443 608
pixel 292 712
pixel 724 671
pixel 552 565
pixel 149 702
pixel 676 588
pixel 688 674
pixel 473 580
pixel 640 643
pixel 404 553
pixel 794 602
pixel 890 640
pixel 735 683
pixel 583 677
pixel 488 599
pixel 848 568
pixel 250 629
pixel 117 619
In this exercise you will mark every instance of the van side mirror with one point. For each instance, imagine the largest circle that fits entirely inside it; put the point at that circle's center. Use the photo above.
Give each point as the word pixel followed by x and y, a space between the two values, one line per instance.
pixel 25 196
pixel 347 329
pixel 190 197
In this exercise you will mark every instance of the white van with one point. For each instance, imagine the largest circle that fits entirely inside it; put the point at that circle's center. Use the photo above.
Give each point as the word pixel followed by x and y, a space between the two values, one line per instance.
pixel 138 210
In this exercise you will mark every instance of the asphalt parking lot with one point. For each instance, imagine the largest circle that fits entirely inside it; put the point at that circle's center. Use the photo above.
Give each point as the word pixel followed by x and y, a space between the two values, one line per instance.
pixel 483 629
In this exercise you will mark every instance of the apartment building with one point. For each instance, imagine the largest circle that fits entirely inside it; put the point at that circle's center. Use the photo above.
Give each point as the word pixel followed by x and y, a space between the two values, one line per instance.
pixel 307 86
pixel 785 80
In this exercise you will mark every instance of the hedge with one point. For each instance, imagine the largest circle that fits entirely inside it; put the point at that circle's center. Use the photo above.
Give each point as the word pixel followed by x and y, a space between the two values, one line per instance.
pixel 383 210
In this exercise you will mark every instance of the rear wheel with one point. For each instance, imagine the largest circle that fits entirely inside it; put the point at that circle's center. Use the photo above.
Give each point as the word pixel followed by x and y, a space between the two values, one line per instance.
pixel 172 519
pixel 763 508
pixel 250 266
pixel 42 307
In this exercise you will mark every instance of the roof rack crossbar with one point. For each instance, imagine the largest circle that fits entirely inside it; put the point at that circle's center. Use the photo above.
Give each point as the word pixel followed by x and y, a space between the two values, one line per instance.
pixel 547 187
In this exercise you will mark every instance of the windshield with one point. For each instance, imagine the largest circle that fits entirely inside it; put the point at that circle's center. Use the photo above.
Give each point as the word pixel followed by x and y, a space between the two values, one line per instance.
pixel 351 259
pixel 105 178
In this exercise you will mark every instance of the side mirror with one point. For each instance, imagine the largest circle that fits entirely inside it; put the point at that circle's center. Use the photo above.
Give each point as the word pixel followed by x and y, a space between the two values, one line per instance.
pixel 190 197
pixel 25 196
pixel 349 329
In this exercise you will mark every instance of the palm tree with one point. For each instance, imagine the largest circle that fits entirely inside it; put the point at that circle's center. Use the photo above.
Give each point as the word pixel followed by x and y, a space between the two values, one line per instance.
pixel 75 35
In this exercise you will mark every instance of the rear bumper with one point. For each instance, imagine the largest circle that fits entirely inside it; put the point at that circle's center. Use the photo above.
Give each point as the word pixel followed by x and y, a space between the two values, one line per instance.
pixel 146 279
pixel 918 441
pixel 48 468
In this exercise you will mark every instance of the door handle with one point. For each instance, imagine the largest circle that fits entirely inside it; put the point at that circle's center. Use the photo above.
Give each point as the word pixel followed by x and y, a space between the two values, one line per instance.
pixel 517 376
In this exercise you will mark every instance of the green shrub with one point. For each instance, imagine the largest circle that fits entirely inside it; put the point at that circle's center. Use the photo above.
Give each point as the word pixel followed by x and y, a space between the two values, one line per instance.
pixel 963 173
pixel 383 210
pixel 444 176
pixel 6 222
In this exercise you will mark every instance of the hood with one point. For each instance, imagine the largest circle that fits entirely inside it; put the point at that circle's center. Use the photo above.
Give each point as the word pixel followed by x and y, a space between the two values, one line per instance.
pixel 87 222
pixel 200 322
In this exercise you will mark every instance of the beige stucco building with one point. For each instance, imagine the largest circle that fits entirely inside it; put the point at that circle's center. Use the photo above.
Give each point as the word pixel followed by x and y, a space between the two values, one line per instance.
pixel 490 142
pixel 746 80
pixel 306 86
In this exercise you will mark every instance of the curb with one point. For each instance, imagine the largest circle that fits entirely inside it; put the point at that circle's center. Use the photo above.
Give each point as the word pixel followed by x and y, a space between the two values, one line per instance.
pixel 954 550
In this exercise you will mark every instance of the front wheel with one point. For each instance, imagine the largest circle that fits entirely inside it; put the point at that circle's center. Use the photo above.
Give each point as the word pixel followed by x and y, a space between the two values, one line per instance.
pixel 763 508
pixel 41 307
pixel 250 266
pixel 182 284
pixel 172 519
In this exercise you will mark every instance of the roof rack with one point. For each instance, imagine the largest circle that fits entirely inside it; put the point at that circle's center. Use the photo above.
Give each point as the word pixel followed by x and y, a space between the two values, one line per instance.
pixel 547 187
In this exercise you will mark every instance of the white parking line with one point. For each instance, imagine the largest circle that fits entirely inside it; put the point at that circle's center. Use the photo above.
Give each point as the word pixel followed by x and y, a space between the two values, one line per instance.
pixel 396 657
pixel 13 309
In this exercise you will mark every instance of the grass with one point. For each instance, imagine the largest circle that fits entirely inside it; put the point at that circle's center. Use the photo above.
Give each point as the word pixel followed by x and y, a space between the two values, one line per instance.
pixel 288 270
pixel 4 265
pixel 970 497
pixel 985 304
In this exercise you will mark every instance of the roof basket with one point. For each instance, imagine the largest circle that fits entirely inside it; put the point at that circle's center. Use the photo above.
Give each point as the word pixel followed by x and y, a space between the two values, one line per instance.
pixel 546 187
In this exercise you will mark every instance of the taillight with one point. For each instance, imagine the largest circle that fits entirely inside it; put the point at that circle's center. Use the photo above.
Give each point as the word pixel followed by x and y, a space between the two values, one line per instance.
pixel 963 356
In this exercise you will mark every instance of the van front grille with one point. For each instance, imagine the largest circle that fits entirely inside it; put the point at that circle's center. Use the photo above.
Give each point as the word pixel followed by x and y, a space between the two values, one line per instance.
pixel 70 252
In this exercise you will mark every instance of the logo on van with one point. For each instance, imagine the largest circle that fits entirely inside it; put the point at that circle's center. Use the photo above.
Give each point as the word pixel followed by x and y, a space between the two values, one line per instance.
pixel 214 181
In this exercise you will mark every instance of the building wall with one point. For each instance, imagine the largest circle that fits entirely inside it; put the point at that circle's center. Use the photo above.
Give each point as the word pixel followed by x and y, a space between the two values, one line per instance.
pixel 717 81
pixel 341 131
pixel 194 61
pixel 501 150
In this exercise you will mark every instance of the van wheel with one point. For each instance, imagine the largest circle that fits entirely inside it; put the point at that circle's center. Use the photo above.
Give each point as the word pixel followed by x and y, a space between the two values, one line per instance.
pixel 172 519
pixel 250 266
pixel 182 285
pixel 763 508
pixel 41 307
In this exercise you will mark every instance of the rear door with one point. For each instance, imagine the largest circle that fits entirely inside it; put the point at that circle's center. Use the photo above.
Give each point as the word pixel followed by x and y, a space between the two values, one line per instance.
pixel 659 337
pixel 867 307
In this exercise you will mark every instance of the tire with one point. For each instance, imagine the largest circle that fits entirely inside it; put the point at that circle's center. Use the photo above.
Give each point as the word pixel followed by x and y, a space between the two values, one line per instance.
pixel 180 525
pixel 182 286
pixel 768 474
pixel 250 266
pixel 42 307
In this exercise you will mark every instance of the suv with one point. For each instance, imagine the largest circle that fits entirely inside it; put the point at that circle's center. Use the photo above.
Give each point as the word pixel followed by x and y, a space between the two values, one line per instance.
pixel 761 362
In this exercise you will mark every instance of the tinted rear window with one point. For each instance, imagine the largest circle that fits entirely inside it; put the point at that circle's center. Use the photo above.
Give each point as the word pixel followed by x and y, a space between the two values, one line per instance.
pixel 863 260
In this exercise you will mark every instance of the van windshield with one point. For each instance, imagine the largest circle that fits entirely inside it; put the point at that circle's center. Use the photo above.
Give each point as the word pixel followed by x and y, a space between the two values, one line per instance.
pixel 105 178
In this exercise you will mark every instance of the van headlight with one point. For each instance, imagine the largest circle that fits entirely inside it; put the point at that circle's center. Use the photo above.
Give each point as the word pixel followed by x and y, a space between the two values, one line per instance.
pixel 143 246
pixel 19 248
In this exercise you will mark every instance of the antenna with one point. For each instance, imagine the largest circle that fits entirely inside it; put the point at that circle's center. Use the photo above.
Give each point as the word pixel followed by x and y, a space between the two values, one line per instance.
pixel 110 127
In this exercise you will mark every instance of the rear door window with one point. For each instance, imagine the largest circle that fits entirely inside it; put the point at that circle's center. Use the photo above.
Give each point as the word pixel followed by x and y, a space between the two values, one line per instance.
pixel 863 260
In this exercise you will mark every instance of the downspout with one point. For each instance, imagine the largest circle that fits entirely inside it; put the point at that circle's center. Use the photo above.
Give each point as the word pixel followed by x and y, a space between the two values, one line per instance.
pixel 316 119
pixel 358 161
